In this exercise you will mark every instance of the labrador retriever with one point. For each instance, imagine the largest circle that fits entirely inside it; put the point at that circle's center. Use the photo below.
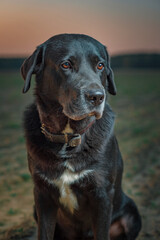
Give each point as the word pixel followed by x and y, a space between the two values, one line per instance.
pixel 73 154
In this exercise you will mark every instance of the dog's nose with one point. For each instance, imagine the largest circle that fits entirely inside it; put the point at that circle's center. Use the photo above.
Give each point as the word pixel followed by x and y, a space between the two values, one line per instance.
pixel 96 97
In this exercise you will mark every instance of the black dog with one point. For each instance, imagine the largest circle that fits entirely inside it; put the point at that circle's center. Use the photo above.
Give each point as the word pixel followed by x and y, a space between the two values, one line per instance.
pixel 73 154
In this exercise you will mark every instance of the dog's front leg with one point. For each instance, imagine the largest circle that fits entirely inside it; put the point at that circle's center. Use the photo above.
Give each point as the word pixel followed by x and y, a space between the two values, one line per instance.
pixel 46 212
pixel 101 217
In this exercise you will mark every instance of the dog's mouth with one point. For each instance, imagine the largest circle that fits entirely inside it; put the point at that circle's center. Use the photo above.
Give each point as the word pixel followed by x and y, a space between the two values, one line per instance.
pixel 81 123
pixel 84 116
pixel 82 107
pixel 76 117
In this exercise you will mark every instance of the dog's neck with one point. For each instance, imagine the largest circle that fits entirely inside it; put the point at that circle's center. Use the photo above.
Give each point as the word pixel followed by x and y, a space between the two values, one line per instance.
pixel 52 116
pixel 56 126
pixel 52 126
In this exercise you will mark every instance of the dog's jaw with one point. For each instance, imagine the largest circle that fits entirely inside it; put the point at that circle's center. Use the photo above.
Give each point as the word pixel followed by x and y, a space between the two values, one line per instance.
pixel 75 117
pixel 84 113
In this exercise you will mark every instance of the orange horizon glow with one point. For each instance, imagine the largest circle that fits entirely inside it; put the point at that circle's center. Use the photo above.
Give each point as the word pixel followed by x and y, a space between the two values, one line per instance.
pixel 26 24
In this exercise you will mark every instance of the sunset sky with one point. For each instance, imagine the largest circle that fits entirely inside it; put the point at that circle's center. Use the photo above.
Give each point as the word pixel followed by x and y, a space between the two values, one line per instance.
pixel 122 25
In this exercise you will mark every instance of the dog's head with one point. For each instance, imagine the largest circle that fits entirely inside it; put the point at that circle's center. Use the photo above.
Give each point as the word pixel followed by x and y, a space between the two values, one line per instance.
pixel 73 70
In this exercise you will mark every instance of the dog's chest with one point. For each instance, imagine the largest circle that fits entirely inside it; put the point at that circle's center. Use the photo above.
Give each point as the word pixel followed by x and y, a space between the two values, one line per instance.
pixel 67 197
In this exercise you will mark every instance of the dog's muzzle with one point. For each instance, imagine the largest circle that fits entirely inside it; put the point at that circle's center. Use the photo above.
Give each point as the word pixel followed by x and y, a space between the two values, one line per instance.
pixel 88 103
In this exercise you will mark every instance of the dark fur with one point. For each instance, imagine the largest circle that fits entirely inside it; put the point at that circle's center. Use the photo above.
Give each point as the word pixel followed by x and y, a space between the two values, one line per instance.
pixel 103 208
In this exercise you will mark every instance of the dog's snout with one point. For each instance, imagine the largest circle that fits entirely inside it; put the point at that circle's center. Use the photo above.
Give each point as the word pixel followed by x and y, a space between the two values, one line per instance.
pixel 96 97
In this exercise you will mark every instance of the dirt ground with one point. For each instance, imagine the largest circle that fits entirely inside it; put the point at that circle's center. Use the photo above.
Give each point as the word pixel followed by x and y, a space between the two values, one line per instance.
pixel 137 129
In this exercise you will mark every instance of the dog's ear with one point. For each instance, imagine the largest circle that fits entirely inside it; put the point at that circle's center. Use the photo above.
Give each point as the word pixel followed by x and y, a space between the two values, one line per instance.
pixel 110 76
pixel 32 65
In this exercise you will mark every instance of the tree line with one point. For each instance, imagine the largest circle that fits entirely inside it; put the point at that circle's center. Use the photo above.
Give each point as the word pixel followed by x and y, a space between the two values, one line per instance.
pixel 125 61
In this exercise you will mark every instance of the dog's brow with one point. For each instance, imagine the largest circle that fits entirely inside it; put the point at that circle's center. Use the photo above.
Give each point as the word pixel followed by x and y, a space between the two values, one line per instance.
pixel 73 59
pixel 95 58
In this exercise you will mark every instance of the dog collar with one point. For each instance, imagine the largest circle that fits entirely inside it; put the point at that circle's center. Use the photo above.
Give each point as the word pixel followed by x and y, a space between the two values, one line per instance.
pixel 72 140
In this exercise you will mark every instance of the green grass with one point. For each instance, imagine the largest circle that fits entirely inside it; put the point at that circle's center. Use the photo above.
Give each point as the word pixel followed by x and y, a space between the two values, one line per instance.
pixel 136 106
pixel 25 177
pixel 12 211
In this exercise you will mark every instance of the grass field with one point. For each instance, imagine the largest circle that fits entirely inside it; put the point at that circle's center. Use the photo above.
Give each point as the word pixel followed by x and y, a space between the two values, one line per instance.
pixel 137 106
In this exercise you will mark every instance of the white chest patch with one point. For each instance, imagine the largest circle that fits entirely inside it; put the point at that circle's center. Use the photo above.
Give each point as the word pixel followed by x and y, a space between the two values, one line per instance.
pixel 67 197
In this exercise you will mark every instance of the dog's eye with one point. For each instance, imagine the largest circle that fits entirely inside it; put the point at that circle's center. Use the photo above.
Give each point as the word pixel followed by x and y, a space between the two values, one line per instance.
pixel 66 65
pixel 100 66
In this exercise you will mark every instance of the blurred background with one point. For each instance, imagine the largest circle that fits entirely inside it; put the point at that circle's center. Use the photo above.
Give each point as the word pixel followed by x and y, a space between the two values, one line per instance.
pixel 131 32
